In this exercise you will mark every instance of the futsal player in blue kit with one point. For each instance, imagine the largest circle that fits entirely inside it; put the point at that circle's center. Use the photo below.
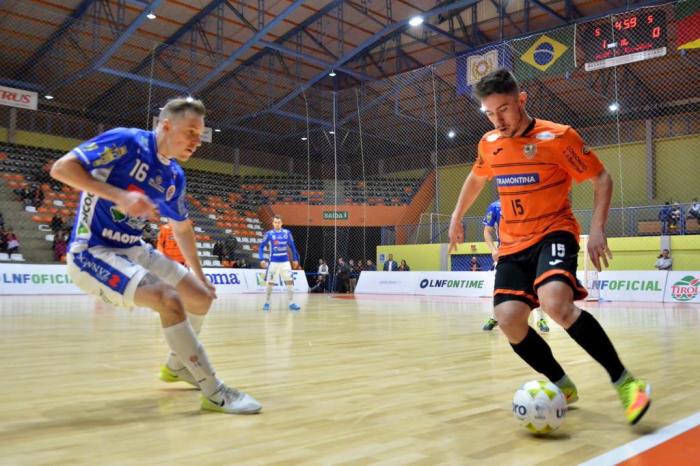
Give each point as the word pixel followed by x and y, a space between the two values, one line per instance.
pixel 280 241
pixel 491 221
pixel 124 174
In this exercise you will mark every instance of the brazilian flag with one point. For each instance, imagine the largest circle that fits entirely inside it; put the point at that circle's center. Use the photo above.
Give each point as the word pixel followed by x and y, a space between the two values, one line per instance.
pixel 688 24
pixel 544 54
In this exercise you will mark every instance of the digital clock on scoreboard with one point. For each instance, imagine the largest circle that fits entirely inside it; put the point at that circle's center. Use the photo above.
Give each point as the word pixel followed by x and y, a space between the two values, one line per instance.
pixel 642 35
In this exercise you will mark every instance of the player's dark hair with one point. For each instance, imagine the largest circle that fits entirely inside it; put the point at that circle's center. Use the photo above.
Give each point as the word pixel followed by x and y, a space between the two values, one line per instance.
pixel 180 106
pixel 500 81
pixel 277 216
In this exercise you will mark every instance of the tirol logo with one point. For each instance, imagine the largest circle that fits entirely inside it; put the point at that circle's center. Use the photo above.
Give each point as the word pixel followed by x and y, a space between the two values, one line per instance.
pixel 518 179
pixel 686 289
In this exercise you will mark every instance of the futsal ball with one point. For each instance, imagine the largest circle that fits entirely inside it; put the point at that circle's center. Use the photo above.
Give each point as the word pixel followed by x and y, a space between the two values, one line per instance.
pixel 539 406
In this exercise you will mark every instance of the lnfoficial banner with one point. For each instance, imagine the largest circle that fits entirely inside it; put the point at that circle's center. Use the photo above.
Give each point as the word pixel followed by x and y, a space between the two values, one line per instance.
pixel 629 285
pixel 26 279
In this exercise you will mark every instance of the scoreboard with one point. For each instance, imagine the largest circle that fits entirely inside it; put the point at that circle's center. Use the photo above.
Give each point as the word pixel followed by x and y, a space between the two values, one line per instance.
pixel 624 39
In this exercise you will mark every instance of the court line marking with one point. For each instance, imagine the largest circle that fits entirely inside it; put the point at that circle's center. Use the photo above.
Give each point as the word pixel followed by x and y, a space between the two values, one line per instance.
pixel 644 443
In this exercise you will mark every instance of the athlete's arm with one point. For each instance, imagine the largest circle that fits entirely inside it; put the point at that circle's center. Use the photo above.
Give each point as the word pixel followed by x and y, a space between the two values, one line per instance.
pixel 490 238
pixel 473 185
pixel 597 241
pixel 68 170
pixel 293 248
pixel 186 241
pixel 261 251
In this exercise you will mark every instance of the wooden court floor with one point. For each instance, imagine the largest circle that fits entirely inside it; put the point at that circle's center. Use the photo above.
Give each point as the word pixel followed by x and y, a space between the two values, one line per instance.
pixel 373 380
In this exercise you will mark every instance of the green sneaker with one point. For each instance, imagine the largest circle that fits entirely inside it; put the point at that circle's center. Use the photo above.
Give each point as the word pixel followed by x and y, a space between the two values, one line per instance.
pixel 542 324
pixel 635 395
pixel 183 375
pixel 569 390
pixel 490 324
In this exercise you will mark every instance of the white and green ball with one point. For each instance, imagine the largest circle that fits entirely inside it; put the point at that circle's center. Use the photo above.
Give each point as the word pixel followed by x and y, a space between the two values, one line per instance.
pixel 539 406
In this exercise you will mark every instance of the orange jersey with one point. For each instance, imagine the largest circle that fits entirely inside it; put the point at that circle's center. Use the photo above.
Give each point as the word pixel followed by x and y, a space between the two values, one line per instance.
pixel 533 175
pixel 168 245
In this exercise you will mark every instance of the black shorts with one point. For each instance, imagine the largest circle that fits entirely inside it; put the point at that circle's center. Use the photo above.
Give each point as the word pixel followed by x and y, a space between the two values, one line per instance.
pixel 554 258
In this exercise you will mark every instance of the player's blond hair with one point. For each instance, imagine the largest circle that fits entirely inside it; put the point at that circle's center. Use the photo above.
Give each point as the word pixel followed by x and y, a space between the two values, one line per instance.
pixel 180 106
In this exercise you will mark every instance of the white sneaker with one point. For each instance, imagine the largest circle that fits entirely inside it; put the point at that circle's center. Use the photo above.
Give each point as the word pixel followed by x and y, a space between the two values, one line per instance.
pixel 232 401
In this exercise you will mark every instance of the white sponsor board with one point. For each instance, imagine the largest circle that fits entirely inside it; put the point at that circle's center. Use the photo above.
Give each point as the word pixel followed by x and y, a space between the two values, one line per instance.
pixel 30 279
pixel 255 279
pixel 35 279
pixel 227 281
pixel 467 284
pixel 386 283
pixel 18 98
pixel 682 287
pixel 629 285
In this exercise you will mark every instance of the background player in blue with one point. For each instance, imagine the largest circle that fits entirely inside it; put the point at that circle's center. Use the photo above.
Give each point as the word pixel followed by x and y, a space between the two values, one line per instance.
pixel 491 221
pixel 124 174
pixel 280 240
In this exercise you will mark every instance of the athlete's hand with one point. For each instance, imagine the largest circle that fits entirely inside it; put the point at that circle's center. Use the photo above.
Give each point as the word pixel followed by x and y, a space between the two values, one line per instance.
pixel 135 204
pixel 456 234
pixel 263 264
pixel 494 255
pixel 295 265
pixel 598 250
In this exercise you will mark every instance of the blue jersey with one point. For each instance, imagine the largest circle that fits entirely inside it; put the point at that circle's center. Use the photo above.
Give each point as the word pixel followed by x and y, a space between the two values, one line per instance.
pixel 493 215
pixel 279 241
pixel 128 159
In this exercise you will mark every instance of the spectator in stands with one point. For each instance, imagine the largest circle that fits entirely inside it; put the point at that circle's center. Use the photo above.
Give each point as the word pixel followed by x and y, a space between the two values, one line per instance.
pixel 36 196
pixel 230 248
pixel 168 246
pixel 56 223
pixel 369 266
pixel 25 195
pixel 664 261
pixel 60 246
pixel 665 217
pixel 390 264
pixel 242 264
pixel 693 211
pixel 218 251
pixel 676 217
pixel 404 266
pixel 342 276
pixel 474 266
pixel 2 222
pixel 12 242
pixel 321 277
pixel 352 277
pixel 3 240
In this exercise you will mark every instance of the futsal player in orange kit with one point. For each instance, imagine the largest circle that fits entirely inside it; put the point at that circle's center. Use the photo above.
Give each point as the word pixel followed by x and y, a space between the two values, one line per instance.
pixel 167 244
pixel 533 163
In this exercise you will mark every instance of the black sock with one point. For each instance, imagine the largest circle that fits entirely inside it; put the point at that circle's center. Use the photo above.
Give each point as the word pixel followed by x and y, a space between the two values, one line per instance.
pixel 588 333
pixel 537 353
